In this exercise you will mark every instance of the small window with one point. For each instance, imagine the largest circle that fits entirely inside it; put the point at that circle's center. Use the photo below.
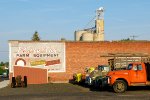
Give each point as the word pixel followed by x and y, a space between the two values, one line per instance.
pixel 139 67
pixel 135 67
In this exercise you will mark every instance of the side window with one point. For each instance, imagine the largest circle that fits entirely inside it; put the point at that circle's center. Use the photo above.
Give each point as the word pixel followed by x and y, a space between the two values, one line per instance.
pixel 139 67
pixel 129 66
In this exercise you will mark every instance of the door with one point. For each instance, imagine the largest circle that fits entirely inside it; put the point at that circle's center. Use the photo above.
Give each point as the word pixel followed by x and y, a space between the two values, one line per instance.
pixel 141 74
pixel 137 74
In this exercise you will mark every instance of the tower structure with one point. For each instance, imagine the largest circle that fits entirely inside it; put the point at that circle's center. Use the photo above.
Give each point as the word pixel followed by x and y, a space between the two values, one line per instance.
pixel 99 35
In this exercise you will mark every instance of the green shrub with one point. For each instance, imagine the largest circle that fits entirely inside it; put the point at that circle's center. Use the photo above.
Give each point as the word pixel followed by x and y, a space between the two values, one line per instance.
pixel 2 71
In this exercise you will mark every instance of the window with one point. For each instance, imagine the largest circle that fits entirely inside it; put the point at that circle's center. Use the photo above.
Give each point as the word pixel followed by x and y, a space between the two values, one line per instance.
pixel 129 66
pixel 135 67
pixel 139 67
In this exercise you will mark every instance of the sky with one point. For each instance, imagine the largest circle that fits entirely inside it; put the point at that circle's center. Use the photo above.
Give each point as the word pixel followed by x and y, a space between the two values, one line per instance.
pixel 56 19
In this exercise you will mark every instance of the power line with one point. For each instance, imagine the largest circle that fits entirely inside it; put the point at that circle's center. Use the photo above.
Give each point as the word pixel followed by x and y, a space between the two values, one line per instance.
pixel 89 22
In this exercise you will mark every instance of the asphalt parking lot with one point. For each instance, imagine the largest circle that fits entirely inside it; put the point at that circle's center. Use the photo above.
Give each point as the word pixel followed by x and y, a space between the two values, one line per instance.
pixel 70 92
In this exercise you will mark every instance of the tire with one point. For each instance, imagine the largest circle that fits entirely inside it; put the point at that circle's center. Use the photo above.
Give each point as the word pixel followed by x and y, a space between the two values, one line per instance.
pixel 23 84
pixel 13 85
pixel 100 85
pixel 25 81
pixel 120 86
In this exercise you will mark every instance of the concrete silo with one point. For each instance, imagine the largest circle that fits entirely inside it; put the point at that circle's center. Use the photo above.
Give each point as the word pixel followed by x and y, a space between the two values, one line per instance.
pixel 87 36
pixel 78 35
pixel 98 37
pixel 95 33
pixel 99 26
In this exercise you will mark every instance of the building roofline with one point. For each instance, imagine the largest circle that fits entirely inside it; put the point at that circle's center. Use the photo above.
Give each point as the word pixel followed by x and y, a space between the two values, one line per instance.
pixel 77 41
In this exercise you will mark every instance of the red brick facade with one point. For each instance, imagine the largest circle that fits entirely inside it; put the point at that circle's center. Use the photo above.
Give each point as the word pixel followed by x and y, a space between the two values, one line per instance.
pixel 79 55
pixel 34 75
pixel 82 54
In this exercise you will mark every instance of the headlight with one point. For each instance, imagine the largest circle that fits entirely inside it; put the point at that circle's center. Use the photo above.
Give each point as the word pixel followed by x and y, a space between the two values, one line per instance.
pixel 108 79
pixel 93 78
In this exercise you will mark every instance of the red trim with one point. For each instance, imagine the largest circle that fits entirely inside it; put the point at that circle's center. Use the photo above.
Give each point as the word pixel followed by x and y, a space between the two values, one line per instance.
pixel 22 60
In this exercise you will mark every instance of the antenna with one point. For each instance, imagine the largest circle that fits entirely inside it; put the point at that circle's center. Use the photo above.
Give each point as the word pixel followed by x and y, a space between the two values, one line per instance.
pixel 133 37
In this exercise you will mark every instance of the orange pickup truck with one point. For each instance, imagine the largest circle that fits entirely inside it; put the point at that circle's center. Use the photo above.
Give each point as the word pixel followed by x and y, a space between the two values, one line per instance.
pixel 136 74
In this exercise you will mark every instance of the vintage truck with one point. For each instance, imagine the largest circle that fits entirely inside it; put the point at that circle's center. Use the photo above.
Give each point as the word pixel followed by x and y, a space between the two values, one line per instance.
pixel 136 74
pixel 80 77
pixel 100 72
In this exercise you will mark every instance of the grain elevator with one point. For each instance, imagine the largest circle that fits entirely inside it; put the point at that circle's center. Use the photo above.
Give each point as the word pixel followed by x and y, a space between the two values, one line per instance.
pixel 95 33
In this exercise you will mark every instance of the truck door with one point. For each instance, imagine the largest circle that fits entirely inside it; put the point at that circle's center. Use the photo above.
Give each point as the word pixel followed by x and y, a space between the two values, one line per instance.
pixel 141 73
pixel 137 74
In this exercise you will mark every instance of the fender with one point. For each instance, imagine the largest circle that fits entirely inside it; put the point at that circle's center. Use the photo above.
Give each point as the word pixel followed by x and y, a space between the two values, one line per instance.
pixel 113 79
pixel 119 74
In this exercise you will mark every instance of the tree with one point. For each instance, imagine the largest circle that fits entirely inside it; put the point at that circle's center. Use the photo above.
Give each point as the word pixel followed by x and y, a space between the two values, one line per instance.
pixel 2 64
pixel 36 36
pixel 1 70
pixel 128 39
pixel 63 39
pixel 7 64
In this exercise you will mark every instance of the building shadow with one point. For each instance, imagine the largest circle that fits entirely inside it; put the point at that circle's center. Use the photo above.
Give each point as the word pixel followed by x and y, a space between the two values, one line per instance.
pixel 108 88
pixel 138 88
pixel 91 88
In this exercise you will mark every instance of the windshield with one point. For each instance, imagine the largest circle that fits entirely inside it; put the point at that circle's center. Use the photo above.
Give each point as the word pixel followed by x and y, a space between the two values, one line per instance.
pixel 129 67
pixel 107 69
pixel 104 67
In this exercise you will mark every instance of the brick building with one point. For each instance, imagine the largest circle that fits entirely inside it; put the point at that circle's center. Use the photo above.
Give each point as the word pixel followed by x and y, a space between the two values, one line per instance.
pixel 57 61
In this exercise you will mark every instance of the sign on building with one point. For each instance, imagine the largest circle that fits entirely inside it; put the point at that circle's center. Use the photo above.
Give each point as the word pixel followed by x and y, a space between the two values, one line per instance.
pixel 46 55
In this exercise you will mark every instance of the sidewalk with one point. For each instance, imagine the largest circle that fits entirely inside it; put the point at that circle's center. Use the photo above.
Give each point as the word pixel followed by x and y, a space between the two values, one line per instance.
pixel 4 83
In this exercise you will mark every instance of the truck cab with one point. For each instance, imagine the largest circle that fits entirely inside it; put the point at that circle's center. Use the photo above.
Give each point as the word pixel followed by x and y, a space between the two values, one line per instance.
pixel 136 74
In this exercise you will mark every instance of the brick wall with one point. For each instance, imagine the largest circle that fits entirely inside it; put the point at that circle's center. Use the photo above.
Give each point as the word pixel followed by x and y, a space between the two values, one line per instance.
pixel 82 54
pixel 34 75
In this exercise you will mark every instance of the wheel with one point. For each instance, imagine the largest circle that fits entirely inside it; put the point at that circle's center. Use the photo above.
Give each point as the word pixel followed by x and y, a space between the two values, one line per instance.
pixel 25 81
pixel 23 85
pixel 120 86
pixel 13 85
pixel 100 84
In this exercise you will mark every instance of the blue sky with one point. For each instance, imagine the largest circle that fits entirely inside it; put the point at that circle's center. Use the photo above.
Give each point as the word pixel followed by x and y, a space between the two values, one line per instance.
pixel 54 19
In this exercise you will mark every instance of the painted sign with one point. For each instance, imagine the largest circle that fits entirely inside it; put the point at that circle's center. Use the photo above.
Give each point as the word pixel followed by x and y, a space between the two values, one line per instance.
pixel 46 55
